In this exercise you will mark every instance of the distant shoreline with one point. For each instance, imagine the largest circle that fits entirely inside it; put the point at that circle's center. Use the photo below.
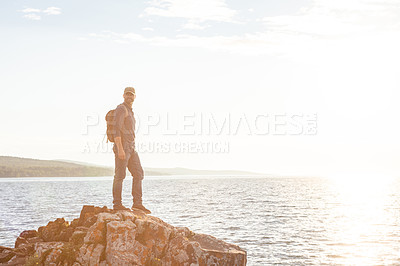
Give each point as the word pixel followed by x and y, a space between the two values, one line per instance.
pixel 15 167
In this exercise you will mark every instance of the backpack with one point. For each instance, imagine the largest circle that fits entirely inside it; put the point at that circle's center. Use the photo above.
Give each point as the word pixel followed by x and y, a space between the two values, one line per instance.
pixel 110 120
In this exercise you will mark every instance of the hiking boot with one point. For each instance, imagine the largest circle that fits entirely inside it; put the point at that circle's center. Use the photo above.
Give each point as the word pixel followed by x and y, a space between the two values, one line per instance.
pixel 120 208
pixel 141 207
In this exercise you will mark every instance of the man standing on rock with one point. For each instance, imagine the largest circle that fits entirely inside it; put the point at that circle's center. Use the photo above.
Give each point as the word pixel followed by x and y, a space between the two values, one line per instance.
pixel 125 153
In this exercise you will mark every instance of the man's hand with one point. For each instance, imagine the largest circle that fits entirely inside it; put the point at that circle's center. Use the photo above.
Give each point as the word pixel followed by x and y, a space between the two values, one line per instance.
pixel 120 149
pixel 121 154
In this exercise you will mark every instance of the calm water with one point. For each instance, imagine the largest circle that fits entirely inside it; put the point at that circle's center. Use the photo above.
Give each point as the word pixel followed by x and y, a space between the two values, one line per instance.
pixel 296 221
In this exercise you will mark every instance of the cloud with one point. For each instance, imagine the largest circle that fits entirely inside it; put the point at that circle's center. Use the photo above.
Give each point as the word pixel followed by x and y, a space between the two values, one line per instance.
pixel 33 13
pixel 338 18
pixel 327 28
pixel 32 16
pixel 52 11
pixel 194 10
pixel 30 10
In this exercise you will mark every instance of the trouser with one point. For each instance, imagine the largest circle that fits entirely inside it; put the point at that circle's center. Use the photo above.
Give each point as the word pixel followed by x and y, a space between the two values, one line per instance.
pixel 131 161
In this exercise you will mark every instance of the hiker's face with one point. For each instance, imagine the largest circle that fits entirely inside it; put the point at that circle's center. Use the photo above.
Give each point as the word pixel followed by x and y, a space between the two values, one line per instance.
pixel 129 97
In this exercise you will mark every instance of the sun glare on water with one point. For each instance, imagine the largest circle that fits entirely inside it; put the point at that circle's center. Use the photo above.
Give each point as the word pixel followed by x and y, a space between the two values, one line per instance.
pixel 361 222
pixel 358 186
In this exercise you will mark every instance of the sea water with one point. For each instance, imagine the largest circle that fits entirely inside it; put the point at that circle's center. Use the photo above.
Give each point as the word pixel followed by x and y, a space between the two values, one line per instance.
pixel 289 221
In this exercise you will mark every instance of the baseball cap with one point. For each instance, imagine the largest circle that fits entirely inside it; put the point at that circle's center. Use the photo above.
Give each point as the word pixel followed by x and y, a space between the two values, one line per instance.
pixel 130 90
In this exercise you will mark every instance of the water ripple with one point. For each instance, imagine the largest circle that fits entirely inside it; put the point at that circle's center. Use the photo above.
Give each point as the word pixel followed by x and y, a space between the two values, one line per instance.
pixel 290 221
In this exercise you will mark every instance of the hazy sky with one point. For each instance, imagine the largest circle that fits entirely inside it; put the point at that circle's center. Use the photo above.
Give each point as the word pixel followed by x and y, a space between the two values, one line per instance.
pixel 284 86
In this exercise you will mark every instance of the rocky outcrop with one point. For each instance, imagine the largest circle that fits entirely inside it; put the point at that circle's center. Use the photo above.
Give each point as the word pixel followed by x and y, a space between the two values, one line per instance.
pixel 105 237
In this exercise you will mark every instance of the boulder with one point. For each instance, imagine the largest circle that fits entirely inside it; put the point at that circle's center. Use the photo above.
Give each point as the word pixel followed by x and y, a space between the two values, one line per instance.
pixel 29 234
pixel 154 234
pixel 105 237
pixel 27 237
pixel 55 231
pixel 122 247
pixel 77 237
pixel 90 254
pixel 6 254
pixel 50 252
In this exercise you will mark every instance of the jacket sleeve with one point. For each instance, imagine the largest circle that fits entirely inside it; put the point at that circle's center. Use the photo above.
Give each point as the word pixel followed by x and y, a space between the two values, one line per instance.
pixel 119 120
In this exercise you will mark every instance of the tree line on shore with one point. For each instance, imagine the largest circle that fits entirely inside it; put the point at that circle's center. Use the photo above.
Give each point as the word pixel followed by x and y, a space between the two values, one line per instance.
pixel 23 167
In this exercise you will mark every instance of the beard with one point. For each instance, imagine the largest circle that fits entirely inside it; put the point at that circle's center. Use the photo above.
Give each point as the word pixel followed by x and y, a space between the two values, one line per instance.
pixel 129 100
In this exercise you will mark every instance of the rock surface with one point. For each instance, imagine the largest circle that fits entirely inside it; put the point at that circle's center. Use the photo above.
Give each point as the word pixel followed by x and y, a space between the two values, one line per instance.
pixel 101 236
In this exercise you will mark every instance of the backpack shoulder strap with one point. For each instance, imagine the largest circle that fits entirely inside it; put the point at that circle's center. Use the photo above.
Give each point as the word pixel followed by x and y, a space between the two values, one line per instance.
pixel 126 109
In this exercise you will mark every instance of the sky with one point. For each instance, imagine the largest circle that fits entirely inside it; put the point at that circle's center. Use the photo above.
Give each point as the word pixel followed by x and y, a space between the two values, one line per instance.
pixel 288 87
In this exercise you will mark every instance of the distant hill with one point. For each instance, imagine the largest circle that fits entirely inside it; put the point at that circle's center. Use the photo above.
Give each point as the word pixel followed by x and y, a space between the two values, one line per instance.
pixel 24 167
